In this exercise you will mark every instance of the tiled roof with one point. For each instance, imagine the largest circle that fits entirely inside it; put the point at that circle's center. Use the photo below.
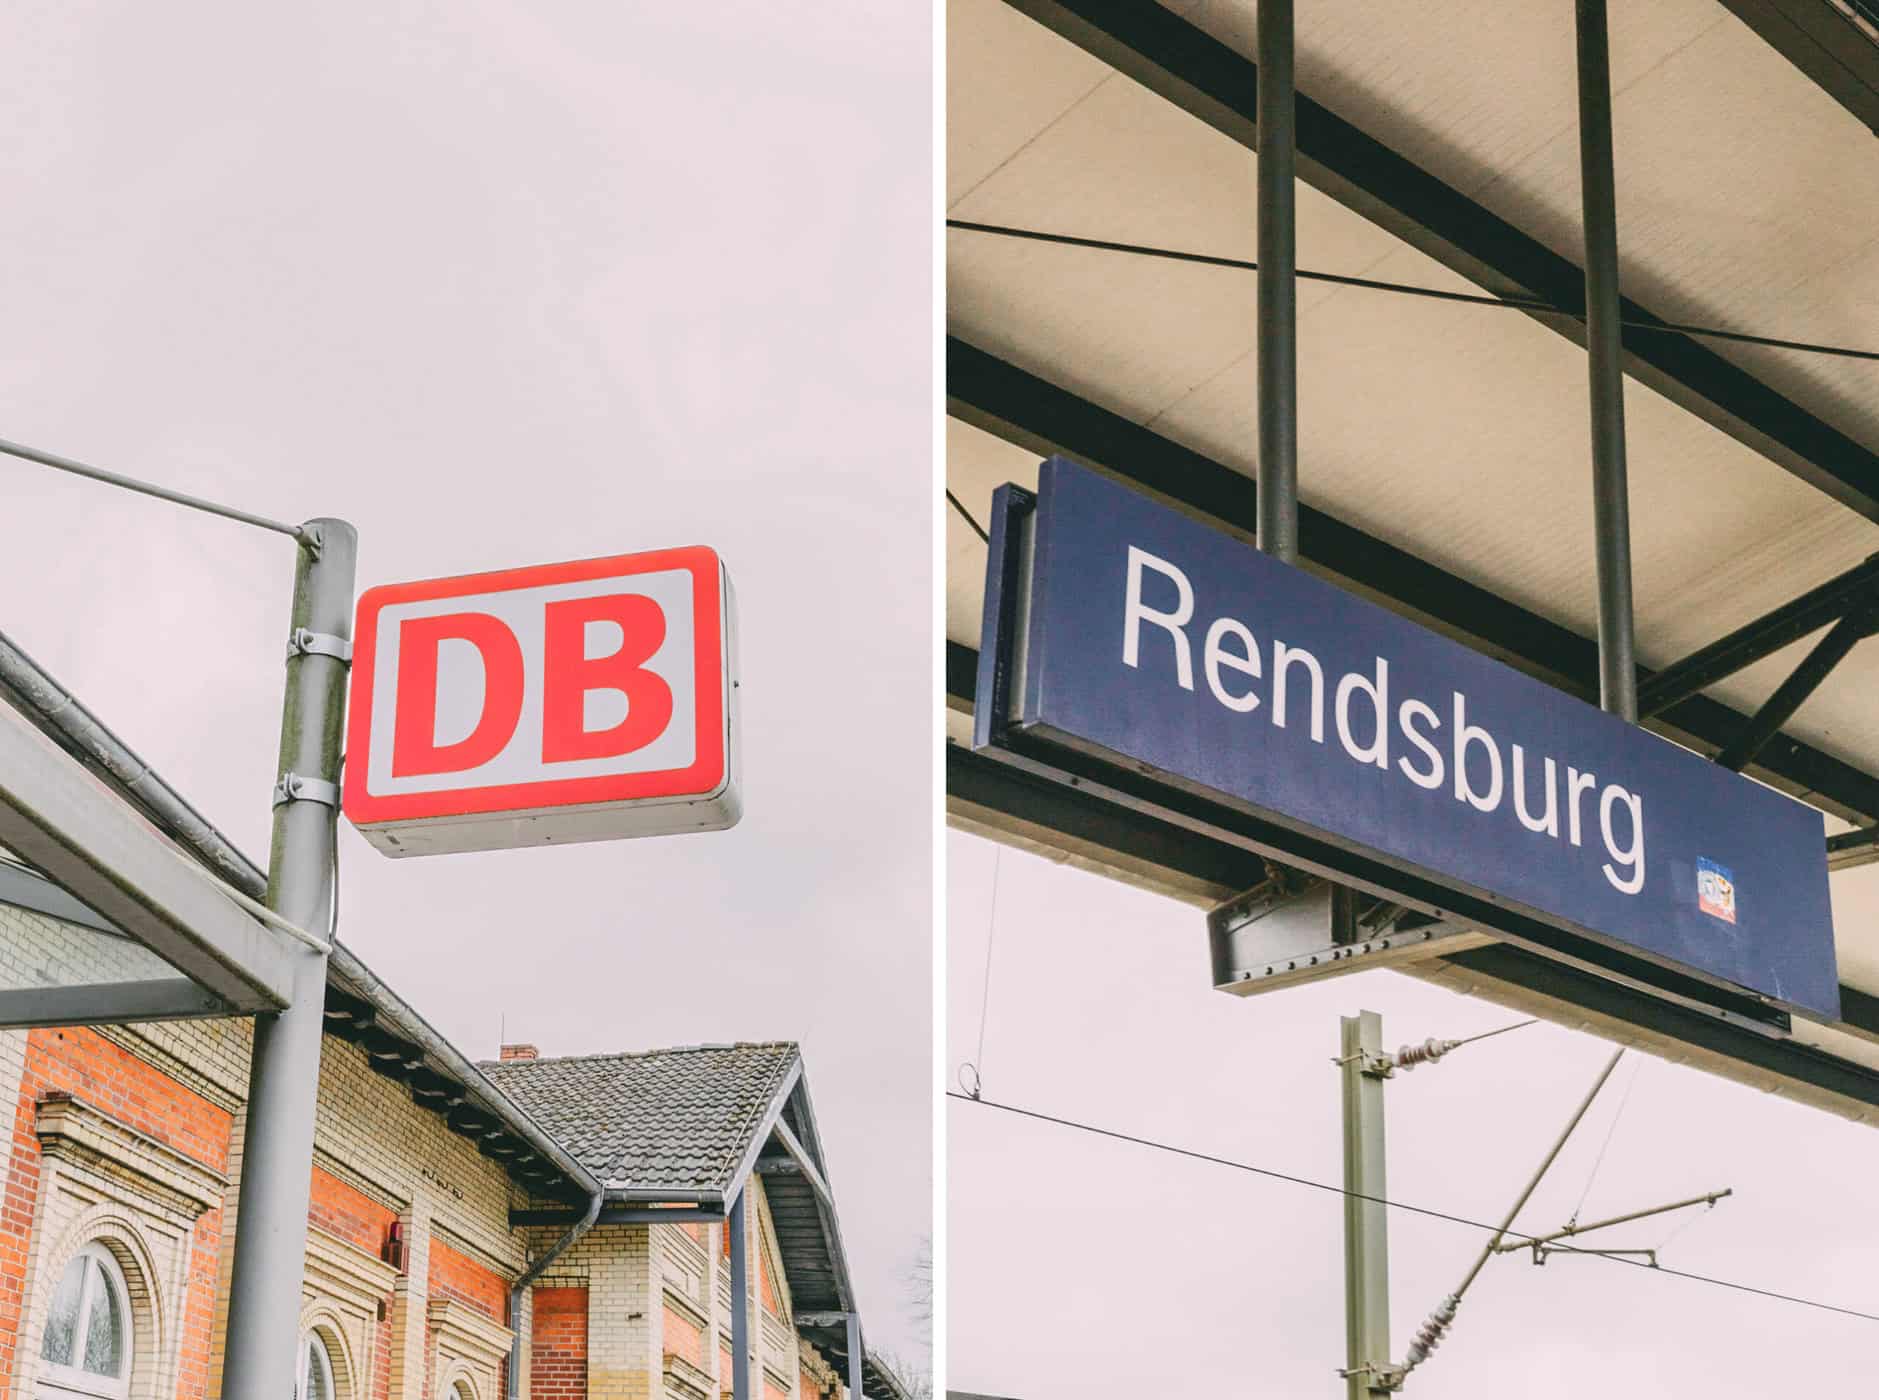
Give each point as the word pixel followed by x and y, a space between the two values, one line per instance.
pixel 679 1119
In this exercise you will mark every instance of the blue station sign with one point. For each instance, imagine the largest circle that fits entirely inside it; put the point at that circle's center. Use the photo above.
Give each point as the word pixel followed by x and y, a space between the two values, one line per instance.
pixel 1128 633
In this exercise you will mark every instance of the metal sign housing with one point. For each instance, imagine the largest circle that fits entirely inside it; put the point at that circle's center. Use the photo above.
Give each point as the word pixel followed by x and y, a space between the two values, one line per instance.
pixel 560 703
pixel 1171 663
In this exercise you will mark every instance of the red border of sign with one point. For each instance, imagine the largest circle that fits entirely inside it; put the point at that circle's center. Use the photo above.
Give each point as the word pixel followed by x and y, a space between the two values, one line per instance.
pixel 703 778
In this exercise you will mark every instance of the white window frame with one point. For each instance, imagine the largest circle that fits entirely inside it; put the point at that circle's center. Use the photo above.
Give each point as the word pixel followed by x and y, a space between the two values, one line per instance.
pixel 62 1380
pixel 308 1345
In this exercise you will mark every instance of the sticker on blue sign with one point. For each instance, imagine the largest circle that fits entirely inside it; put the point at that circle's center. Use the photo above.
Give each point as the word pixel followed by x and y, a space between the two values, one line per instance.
pixel 1715 890
pixel 1154 641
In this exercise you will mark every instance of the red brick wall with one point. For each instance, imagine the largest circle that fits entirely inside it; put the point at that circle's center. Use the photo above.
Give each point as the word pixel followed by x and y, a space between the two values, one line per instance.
pixel 349 1213
pixel 773 1391
pixel 83 1063
pixel 558 1356
pixel 770 1303
pixel 683 1337
pixel 363 1223
pixel 456 1275
pixel 453 1274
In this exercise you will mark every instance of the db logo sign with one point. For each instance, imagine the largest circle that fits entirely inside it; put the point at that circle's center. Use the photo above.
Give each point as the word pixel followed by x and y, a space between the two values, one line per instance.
pixel 561 703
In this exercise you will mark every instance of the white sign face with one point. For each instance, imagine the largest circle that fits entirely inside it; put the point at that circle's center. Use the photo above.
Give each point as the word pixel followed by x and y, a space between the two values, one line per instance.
pixel 560 703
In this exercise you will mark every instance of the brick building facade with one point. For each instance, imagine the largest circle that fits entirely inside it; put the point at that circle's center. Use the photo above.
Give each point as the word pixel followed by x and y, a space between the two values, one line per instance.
pixel 119 1184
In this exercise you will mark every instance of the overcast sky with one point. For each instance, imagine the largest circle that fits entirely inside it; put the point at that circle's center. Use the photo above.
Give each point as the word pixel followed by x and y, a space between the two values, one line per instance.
pixel 1136 1272
pixel 506 284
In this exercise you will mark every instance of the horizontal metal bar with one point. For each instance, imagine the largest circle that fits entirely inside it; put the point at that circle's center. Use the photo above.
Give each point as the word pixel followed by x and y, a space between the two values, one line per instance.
pixel 108 1003
pixel 144 488
pixel 1763 637
pixel 1707 1199
pixel 996 791
pixel 68 825
pixel 619 1215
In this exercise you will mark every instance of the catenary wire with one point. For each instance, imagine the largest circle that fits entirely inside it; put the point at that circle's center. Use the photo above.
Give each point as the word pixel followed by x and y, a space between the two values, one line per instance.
pixel 1433 1214
pixel 977 1062
pixel 1532 305
pixel 966 515
pixel 162 493
pixel 1637 1066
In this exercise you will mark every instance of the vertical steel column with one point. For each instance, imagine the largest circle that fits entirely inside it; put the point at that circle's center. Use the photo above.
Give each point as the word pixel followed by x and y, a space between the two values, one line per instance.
pixel 1366 1221
pixel 740 1298
pixel 1611 506
pixel 854 1356
pixel 284 1071
pixel 1277 504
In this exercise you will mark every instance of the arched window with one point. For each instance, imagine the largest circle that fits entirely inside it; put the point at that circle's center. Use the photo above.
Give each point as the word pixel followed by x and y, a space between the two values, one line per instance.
pixel 316 1370
pixel 461 1391
pixel 87 1345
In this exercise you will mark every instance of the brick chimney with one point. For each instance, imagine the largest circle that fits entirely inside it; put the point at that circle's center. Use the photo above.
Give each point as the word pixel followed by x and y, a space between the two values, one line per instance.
pixel 521 1052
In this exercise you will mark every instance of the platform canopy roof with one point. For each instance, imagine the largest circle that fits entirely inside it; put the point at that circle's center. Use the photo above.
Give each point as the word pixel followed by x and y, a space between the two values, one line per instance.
pixel 1444 447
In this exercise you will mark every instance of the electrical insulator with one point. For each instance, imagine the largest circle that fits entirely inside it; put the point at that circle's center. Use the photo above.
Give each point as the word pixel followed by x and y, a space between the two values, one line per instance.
pixel 1429 1335
pixel 1430 1050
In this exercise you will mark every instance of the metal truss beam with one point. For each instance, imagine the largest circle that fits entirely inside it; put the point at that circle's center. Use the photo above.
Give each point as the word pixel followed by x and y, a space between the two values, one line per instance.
pixel 1500 971
pixel 59 818
pixel 1190 68
pixel 1035 414
pixel 1821 39
pixel 1761 638
pixel 108 1003
pixel 1805 679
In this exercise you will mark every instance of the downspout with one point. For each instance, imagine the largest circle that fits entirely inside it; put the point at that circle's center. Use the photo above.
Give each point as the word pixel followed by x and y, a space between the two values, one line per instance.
pixel 535 1271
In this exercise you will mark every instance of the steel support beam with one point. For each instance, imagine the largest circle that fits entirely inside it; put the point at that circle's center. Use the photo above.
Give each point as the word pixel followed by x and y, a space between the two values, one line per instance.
pixel 1182 63
pixel 1537 984
pixel 740 1297
pixel 1611 496
pixel 617 1215
pixel 68 825
pixel 107 1003
pixel 1824 41
pixel 1277 501
pixel 854 1356
pixel 284 1067
pixel 1042 417
pixel 1806 678
pixel 1761 638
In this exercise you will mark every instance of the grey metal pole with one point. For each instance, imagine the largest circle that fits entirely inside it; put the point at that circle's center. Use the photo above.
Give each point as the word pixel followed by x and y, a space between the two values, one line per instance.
pixel 1366 1221
pixel 284 1071
pixel 1277 505
pixel 740 1299
pixel 854 1356
pixel 1611 506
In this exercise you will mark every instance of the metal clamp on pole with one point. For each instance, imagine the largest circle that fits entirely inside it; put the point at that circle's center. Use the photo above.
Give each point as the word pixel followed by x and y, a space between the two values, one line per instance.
pixel 304 641
pixel 263 1336
pixel 294 787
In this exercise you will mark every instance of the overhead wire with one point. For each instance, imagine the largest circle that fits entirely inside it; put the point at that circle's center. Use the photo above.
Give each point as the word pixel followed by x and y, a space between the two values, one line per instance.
pixel 1193 1155
pixel 1637 1064
pixel 1532 305
pixel 977 1063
